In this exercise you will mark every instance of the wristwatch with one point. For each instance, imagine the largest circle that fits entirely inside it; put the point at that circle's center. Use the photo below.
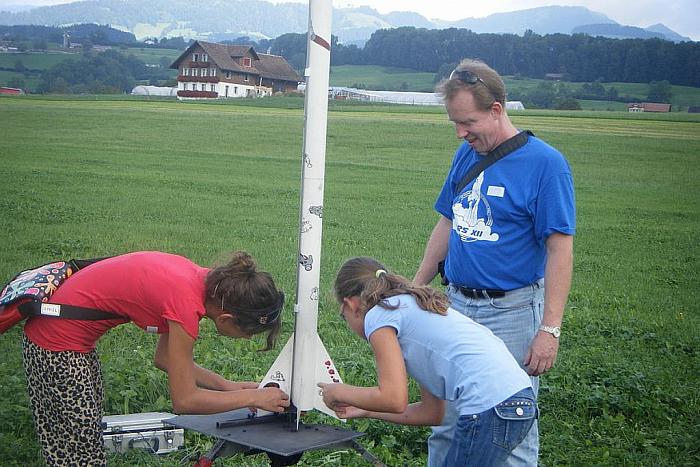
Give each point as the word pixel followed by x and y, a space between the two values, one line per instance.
pixel 553 330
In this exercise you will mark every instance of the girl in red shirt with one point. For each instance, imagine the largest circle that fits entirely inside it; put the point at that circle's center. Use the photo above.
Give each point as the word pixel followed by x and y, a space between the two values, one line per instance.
pixel 160 293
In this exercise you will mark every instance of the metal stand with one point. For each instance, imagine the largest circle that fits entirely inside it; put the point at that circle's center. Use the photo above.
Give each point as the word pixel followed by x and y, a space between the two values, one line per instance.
pixel 275 435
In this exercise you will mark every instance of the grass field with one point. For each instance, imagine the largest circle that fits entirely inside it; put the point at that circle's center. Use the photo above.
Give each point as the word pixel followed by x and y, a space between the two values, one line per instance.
pixel 382 77
pixel 94 177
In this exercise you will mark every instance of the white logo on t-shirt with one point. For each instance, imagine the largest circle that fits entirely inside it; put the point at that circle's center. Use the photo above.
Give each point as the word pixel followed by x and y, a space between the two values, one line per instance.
pixel 465 215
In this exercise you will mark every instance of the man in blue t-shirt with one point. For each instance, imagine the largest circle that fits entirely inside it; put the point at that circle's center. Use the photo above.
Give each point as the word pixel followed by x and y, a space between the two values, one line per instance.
pixel 506 238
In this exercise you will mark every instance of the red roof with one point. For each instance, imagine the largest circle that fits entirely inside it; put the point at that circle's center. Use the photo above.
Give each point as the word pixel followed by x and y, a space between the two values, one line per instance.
pixel 651 106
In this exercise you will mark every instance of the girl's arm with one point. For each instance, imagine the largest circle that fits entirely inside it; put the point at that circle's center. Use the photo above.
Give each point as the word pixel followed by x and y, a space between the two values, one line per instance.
pixel 184 376
pixel 428 411
pixel 391 395
pixel 205 378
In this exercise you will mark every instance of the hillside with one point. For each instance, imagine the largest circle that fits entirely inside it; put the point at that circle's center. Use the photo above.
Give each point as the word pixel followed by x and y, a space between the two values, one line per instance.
pixel 259 19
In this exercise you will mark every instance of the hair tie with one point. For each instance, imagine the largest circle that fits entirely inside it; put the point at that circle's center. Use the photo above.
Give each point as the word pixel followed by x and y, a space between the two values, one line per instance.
pixel 379 273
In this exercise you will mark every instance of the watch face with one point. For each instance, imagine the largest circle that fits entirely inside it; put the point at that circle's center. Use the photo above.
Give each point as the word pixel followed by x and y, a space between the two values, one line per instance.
pixel 556 332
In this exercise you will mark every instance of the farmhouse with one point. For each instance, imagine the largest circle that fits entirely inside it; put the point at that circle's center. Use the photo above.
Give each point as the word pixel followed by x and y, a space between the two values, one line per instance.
pixel 648 107
pixel 207 71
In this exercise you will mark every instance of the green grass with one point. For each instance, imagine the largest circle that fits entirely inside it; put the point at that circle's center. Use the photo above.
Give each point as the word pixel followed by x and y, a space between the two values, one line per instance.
pixel 381 77
pixel 96 176
pixel 36 61
pixel 153 55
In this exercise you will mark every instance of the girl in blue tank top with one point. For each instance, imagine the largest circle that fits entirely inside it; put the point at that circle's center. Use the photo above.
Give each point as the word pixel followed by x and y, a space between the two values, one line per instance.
pixel 413 332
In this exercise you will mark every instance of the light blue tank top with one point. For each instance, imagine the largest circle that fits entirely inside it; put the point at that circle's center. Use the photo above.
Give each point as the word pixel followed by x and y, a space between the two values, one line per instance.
pixel 452 356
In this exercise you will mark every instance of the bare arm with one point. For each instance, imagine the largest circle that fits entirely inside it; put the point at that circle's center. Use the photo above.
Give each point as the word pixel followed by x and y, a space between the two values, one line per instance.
pixel 435 251
pixel 188 382
pixel 391 394
pixel 557 282
pixel 428 411
pixel 204 378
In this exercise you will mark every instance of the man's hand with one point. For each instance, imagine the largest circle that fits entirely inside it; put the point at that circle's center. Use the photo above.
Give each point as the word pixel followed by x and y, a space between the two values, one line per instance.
pixel 542 354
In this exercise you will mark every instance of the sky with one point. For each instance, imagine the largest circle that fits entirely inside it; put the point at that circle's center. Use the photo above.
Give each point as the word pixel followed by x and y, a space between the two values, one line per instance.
pixel 675 14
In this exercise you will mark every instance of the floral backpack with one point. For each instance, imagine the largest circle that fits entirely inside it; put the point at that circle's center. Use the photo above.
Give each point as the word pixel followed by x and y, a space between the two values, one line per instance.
pixel 28 294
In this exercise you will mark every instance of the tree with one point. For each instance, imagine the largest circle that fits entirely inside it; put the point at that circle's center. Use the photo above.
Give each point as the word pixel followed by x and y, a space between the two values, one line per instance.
pixel 568 103
pixel 542 96
pixel 19 66
pixel 16 83
pixel 659 91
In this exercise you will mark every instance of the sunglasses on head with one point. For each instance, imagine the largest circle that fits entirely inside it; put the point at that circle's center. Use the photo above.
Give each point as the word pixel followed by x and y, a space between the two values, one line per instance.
pixel 467 77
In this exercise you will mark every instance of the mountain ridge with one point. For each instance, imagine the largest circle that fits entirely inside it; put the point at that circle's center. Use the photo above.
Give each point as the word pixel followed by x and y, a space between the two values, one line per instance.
pixel 260 19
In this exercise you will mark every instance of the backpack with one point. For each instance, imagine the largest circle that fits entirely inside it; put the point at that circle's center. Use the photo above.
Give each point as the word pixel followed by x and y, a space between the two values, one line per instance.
pixel 28 294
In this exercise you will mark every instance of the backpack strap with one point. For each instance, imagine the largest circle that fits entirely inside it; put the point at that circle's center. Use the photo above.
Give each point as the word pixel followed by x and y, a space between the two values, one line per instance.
pixel 56 310
pixel 502 150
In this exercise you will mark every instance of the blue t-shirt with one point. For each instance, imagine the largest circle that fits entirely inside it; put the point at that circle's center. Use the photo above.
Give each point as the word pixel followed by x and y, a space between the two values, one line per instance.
pixel 501 220
pixel 451 356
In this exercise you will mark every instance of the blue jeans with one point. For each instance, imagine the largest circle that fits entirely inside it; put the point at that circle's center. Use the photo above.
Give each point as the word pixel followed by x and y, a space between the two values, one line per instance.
pixel 487 438
pixel 514 318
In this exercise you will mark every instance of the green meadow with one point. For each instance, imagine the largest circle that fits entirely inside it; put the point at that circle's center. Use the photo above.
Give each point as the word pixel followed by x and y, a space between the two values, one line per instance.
pixel 92 177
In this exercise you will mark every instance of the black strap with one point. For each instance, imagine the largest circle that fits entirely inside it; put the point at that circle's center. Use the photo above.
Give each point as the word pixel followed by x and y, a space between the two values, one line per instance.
pixel 56 310
pixel 501 151
pixel 79 264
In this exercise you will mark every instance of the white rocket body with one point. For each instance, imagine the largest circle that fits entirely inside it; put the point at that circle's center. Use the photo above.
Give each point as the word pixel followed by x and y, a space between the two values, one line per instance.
pixel 304 360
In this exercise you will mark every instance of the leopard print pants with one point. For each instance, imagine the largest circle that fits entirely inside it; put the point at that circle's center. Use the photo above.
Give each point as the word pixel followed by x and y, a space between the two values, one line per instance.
pixel 66 396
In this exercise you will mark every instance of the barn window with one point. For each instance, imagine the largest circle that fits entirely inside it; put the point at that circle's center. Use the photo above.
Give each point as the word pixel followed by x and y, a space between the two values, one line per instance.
pixel 212 71
pixel 205 57
pixel 246 61
pixel 205 71
pixel 195 57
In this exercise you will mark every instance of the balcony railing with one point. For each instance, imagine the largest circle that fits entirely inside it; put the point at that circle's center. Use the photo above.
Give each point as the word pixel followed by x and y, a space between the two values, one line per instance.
pixel 200 94
pixel 198 79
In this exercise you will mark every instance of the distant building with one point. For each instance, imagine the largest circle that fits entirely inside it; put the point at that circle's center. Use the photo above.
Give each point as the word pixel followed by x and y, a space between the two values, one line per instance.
pixel 514 105
pixel 648 107
pixel 207 71
pixel 154 91
pixel 11 91
pixel 694 109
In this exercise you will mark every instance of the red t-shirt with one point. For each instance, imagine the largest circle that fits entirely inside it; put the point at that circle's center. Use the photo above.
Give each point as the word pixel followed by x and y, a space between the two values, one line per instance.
pixel 148 288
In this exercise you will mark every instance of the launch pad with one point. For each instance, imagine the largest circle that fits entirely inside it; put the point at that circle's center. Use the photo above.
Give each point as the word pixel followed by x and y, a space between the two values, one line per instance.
pixel 276 435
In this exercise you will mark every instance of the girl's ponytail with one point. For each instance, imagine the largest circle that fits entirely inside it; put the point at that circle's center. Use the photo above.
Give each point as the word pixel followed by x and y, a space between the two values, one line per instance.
pixel 370 280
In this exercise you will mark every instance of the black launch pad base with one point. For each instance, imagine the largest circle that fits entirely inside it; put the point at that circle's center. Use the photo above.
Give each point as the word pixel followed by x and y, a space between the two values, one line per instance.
pixel 238 432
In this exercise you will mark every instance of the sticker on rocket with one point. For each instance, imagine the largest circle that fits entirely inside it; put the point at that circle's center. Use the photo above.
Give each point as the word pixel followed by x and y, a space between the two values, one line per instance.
pixel 307 161
pixel 305 226
pixel 332 374
pixel 314 294
pixel 306 261
pixel 316 211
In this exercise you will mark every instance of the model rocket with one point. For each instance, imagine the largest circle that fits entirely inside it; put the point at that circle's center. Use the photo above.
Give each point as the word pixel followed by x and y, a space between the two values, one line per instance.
pixel 304 360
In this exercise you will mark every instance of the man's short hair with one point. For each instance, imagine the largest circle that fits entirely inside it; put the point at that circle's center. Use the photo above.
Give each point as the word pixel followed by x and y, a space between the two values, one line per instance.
pixel 488 89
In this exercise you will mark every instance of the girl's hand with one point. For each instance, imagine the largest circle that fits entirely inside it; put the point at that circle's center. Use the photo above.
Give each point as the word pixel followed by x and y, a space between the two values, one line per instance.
pixel 238 385
pixel 348 412
pixel 272 399
pixel 330 393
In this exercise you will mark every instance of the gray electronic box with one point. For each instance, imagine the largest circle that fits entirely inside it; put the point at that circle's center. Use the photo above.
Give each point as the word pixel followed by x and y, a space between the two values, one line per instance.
pixel 141 431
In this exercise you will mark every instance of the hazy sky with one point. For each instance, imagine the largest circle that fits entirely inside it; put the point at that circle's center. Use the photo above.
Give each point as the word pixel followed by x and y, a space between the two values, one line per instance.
pixel 676 14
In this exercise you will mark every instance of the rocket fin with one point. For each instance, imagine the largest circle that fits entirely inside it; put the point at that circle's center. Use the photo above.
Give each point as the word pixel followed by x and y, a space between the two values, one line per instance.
pixel 326 372
pixel 280 373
